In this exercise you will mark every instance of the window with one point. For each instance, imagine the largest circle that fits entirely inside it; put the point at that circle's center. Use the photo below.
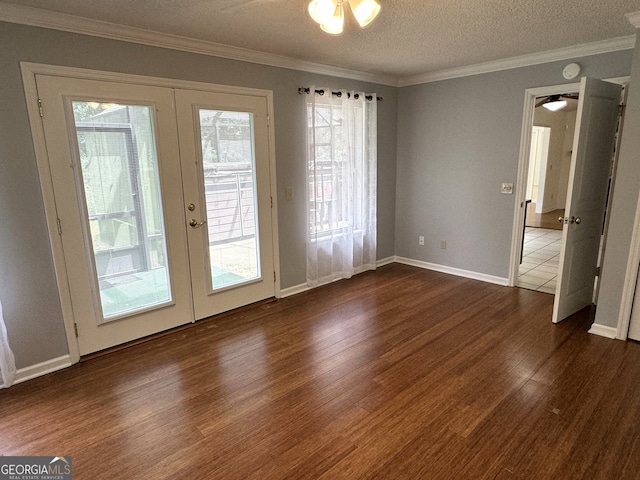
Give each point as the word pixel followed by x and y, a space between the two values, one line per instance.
pixel 341 169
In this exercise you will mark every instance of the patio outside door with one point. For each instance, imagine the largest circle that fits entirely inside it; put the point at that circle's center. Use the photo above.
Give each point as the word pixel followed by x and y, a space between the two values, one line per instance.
pixel 140 256
pixel 224 146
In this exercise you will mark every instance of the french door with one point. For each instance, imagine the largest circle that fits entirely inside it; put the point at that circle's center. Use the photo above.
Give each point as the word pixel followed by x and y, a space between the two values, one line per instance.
pixel 224 150
pixel 163 204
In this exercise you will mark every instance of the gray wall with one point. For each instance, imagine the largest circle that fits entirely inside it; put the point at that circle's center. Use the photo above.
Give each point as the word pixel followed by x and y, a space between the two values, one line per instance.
pixel 458 140
pixel 623 207
pixel 27 283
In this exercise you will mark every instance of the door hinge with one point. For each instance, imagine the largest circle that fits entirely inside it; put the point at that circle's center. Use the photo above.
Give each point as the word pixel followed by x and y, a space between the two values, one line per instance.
pixel 622 107
pixel 597 271
pixel 40 108
pixel 75 328
pixel 274 277
pixel 268 120
pixel 271 201
pixel 59 226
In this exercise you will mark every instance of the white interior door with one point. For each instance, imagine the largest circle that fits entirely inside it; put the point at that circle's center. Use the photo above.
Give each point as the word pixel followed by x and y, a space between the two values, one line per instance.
pixel 113 156
pixel 224 146
pixel 589 174
pixel 164 201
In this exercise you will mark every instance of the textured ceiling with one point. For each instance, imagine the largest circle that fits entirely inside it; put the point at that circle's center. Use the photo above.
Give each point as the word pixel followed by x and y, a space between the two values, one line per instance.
pixel 410 37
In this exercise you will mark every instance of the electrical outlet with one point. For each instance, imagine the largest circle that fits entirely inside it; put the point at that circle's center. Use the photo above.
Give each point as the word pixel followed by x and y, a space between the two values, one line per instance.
pixel 443 244
pixel 288 194
pixel 420 240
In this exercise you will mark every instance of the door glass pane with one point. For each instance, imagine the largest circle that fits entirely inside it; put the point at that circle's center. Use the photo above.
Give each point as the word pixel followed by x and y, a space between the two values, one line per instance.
pixel 121 187
pixel 230 191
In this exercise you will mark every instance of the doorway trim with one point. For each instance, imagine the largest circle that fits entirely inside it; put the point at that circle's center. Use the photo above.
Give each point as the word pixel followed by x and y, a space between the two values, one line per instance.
pixel 530 96
pixel 29 71
pixel 517 234
pixel 630 280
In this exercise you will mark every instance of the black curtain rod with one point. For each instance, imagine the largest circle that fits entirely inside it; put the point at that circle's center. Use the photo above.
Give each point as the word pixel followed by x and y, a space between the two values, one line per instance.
pixel 302 90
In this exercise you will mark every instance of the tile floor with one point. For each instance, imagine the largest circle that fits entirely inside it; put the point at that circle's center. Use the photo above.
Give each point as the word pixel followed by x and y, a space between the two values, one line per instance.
pixel 541 252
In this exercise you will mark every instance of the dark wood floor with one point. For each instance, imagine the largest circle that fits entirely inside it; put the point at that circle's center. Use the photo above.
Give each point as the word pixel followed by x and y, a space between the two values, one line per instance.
pixel 544 220
pixel 398 374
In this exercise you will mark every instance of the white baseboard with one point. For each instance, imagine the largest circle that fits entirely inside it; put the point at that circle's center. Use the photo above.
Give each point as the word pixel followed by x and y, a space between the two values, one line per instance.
pixel 303 287
pixel 287 292
pixel 453 271
pixel 385 261
pixel 55 364
pixel 603 331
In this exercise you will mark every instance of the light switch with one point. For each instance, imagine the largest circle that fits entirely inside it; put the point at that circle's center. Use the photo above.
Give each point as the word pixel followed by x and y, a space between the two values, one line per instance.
pixel 507 188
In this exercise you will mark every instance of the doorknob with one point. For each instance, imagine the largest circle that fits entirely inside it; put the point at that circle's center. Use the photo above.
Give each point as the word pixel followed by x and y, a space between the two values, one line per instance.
pixel 195 224
pixel 561 219
pixel 578 220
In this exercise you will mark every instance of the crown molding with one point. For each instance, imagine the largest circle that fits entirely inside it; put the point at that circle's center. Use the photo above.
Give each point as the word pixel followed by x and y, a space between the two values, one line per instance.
pixel 634 18
pixel 37 17
pixel 576 51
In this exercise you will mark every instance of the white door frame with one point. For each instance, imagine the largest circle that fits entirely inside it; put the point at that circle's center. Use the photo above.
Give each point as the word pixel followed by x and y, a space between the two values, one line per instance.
pixel 29 72
pixel 630 280
pixel 530 95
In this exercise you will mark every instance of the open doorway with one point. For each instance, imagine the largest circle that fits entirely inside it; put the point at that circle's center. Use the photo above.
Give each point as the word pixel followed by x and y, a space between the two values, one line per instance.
pixel 591 179
pixel 552 138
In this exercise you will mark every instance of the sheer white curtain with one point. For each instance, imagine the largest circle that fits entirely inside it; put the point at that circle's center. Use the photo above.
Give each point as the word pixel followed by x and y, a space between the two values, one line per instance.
pixel 7 361
pixel 341 186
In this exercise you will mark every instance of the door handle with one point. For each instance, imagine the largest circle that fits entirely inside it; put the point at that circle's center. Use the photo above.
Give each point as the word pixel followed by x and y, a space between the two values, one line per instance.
pixel 577 220
pixel 561 219
pixel 195 224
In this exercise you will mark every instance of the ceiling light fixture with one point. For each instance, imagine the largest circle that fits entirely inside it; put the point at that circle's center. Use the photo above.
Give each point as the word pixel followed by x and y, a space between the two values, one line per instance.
pixel 555 105
pixel 330 13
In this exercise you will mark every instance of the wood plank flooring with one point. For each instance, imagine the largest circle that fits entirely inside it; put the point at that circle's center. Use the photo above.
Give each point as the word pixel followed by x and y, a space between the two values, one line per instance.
pixel 400 373
pixel 544 220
